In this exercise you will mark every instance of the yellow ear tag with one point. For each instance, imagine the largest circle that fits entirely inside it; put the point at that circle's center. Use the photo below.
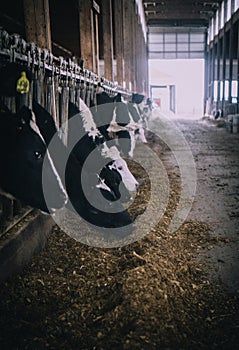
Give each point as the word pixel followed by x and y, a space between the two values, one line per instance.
pixel 23 84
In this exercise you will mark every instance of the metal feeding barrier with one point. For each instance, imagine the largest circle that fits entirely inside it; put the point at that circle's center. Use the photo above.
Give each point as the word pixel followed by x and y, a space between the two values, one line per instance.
pixel 54 82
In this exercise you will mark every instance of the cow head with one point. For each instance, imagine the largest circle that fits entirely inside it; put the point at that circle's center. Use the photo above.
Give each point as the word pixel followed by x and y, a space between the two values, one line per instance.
pixel 22 154
pixel 137 98
pixel 111 184
pixel 128 179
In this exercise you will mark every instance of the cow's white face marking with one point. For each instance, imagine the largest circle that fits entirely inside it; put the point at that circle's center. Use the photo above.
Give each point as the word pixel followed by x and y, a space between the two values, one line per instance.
pixel 121 166
pixel 57 177
pixel 127 177
pixel 114 127
pixel 103 185
pixel 35 128
pixel 132 143
pixel 111 152
pixel 88 121
pixel 95 133
pixel 141 135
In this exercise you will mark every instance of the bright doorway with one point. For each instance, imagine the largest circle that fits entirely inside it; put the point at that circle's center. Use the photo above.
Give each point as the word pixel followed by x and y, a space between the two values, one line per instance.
pixel 177 86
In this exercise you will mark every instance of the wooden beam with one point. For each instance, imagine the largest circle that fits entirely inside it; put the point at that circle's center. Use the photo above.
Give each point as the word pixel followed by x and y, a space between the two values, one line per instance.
pixel 133 43
pixel 86 45
pixel 37 22
pixel 106 8
pixel 127 42
pixel 95 40
pixel 119 45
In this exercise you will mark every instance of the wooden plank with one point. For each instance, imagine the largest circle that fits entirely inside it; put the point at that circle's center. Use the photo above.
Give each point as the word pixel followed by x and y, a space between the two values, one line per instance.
pixel 95 40
pixel 142 63
pixel 133 44
pixel 118 19
pixel 37 22
pixel 139 58
pixel 64 103
pixel 127 43
pixel 86 45
pixel 106 9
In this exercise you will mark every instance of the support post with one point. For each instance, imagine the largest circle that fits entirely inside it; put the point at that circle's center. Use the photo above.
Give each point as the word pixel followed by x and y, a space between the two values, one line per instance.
pixel 106 8
pixel 119 45
pixel 127 43
pixel 86 46
pixel 37 22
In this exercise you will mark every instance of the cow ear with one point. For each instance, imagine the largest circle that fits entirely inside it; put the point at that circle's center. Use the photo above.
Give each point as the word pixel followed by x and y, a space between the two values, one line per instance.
pixel 118 98
pixel 137 98
pixel 25 115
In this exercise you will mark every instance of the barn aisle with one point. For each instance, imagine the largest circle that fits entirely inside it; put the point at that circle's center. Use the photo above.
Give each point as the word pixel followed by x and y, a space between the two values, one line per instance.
pixel 216 159
pixel 216 201
pixel 166 291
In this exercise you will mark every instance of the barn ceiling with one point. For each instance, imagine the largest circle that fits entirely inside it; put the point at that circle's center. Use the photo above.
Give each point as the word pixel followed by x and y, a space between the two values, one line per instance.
pixel 179 12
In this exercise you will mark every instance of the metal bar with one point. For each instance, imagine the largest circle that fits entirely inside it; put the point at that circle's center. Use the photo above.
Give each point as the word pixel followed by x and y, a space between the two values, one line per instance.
pixel 13 46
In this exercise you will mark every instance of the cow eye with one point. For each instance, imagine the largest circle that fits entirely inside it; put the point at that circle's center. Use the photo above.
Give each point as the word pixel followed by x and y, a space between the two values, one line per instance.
pixel 38 155
pixel 120 168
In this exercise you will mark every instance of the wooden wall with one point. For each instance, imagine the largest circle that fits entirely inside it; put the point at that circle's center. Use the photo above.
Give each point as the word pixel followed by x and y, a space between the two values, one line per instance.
pixel 104 33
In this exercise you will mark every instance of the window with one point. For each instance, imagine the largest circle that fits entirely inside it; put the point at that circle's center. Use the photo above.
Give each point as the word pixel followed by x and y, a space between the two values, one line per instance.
pixel 196 46
pixel 222 15
pixel 229 10
pixel 199 38
pixel 170 37
pixel 234 88
pixel 226 96
pixel 212 28
pixel 236 5
pixel 183 47
pixel 221 90
pixel 156 38
pixel 178 42
pixel 156 47
pixel 182 38
pixel 215 90
pixel 183 54
pixel 217 23
pixel 193 54
pixel 170 47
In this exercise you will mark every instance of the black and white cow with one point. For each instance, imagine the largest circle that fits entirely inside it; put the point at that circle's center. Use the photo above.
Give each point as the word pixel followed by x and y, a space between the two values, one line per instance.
pixel 82 186
pixel 144 108
pixel 22 152
pixel 91 139
pixel 122 119
pixel 109 179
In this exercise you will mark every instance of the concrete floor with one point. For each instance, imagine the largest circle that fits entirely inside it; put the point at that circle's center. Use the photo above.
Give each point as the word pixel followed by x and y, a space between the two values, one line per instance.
pixel 216 155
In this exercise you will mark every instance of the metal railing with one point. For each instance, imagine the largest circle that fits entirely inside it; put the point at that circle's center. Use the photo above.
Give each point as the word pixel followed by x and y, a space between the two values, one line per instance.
pixel 55 81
